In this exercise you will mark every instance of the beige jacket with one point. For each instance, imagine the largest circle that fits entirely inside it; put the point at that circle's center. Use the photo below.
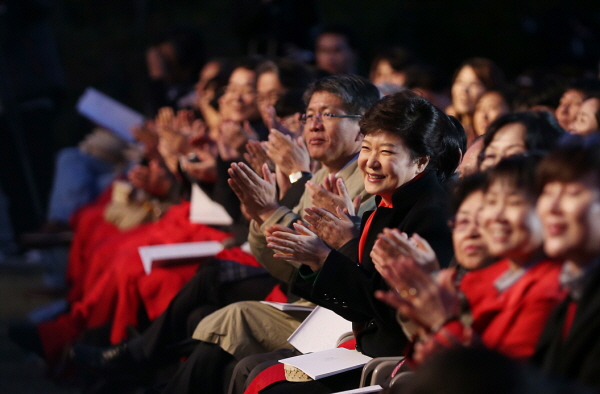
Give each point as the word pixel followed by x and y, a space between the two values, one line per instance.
pixel 283 270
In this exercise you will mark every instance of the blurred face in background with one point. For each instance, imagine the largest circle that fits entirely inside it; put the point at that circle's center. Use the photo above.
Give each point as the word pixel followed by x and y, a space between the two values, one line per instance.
pixel 489 107
pixel 509 140
pixel 570 214
pixel 586 122
pixel 240 96
pixel 466 90
pixel 384 73
pixel 509 224
pixel 470 249
pixel 568 107
pixel 268 89
pixel 334 55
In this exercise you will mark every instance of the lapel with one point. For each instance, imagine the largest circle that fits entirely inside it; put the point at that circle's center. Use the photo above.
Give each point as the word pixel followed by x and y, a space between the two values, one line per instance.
pixel 404 200
pixel 567 357
pixel 586 324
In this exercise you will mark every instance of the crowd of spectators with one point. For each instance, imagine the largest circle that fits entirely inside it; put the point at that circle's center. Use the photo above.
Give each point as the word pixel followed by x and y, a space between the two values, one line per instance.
pixel 455 228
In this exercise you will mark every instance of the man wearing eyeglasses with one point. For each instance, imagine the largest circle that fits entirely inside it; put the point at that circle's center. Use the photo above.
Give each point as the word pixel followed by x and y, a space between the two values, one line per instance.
pixel 334 107
pixel 331 131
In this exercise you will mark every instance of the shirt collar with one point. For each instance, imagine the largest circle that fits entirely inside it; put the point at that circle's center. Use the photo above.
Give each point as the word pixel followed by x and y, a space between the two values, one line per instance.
pixel 574 280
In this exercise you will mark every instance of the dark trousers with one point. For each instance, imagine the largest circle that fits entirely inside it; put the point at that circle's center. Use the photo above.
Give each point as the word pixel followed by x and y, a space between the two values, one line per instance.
pixel 202 372
pixel 249 367
pixel 168 337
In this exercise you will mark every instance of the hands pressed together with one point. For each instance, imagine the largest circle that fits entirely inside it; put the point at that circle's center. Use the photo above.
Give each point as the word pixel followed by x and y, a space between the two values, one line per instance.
pixel 407 265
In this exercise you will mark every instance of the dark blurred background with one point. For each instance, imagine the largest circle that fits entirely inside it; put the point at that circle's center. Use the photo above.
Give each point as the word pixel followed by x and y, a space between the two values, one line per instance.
pixel 51 50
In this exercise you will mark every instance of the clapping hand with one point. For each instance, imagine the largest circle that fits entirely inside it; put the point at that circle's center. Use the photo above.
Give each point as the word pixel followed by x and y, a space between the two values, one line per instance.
pixel 336 231
pixel 299 245
pixel 392 244
pixel 417 296
pixel 258 194
pixel 333 194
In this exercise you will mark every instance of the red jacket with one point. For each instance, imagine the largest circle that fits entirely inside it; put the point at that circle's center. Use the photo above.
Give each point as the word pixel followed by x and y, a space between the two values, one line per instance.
pixel 509 322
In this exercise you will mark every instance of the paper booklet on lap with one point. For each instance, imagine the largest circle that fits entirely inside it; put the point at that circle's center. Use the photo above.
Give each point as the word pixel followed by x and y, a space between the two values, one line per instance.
pixel 362 390
pixel 109 113
pixel 321 330
pixel 206 211
pixel 327 362
pixel 181 253
pixel 286 306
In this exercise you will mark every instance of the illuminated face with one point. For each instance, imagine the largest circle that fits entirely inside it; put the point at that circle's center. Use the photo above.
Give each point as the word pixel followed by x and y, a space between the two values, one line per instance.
pixel 509 140
pixel 586 123
pixel 386 164
pixel 570 214
pixel 240 96
pixel 568 107
pixel 509 224
pixel 490 106
pixel 334 55
pixel 470 249
pixel 466 90
pixel 331 141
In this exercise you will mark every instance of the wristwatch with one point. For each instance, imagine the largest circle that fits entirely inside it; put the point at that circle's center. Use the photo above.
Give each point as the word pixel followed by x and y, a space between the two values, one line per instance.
pixel 295 176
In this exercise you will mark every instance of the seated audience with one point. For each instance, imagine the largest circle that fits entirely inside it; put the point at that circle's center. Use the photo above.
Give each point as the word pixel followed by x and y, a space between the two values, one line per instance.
pixel 569 208
pixel 473 78
pixel 588 117
pixel 491 105
pixel 512 134
pixel 509 301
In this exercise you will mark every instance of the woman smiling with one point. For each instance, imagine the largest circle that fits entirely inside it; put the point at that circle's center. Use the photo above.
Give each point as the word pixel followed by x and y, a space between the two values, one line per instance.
pixel 510 300
pixel 401 163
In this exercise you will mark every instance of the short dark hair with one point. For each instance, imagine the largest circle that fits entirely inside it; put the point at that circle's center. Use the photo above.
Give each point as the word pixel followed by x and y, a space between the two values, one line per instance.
pixel 587 86
pixel 425 129
pixel 398 57
pixel 291 74
pixel 542 131
pixel 488 72
pixel 518 171
pixel 575 158
pixel 341 30
pixel 290 103
pixel 357 93
pixel 464 187
pixel 251 63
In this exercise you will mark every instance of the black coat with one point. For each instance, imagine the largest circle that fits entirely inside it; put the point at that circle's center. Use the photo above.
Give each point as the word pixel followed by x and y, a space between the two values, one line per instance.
pixel 578 356
pixel 347 287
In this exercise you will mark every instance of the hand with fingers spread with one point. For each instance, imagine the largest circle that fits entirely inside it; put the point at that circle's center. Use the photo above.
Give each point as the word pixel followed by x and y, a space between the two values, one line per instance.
pixel 417 296
pixel 391 244
pixel 290 155
pixel 147 135
pixel 256 156
pixel 269 117
pixel 332 194
pixel 259 195
pixel 336 231
pixel 300 246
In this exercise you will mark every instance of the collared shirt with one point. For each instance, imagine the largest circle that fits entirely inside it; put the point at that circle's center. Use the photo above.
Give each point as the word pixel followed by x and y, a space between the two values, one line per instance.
pixel 574 280
pixel 508 278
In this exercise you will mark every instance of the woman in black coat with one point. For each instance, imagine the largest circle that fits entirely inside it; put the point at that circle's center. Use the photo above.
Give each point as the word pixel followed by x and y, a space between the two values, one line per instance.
pixel 404 157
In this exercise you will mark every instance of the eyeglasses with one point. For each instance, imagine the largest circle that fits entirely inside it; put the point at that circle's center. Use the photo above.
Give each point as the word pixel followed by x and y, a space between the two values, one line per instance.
pixel 325 116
